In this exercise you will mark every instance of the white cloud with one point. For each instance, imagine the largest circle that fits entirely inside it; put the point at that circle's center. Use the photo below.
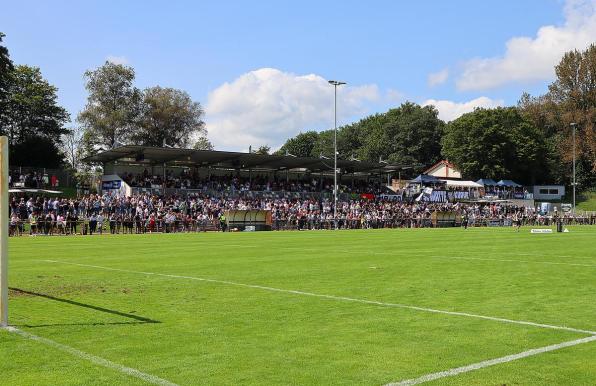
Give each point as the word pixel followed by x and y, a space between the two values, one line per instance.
pixel 267 106
pixel 437 78
pixel 117 59
pixel 528 59
pixel 449 110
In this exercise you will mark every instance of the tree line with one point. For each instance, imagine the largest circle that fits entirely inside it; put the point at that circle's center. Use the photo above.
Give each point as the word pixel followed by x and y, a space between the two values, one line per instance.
pixel 530 142
pixel 116 113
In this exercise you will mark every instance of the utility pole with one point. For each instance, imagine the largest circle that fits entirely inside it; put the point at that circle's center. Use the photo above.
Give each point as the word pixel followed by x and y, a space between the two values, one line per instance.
pixel 573 125
pixel 335 83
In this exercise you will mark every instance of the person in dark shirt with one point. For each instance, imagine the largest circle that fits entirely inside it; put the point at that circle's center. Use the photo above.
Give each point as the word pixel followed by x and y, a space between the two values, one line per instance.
pixel 92 223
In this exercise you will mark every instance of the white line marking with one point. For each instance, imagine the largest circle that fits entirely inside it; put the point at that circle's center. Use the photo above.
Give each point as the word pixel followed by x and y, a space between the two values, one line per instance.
pixel 94 359
pixel 343 298
pixel 491 362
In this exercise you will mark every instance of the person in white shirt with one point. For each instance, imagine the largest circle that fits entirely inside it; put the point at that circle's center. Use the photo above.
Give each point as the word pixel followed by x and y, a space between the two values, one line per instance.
pixel 100 219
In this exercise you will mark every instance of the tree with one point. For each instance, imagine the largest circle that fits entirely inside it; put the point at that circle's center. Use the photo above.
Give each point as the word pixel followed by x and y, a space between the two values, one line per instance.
pixel 301 145
pixel 73 147
pixel 496 143
pixel 36 151
pixel 169 117
pixel 409 134
pixel 29 114
pixel 570 98
pixel 31 107
pixel 112 105
pixel 6 67
pixel 263 149
pixel 203 143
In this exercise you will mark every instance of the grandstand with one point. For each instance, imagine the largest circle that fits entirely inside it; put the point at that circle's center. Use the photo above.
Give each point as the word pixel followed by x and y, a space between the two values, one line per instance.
pixel 166 171
pixel 183 171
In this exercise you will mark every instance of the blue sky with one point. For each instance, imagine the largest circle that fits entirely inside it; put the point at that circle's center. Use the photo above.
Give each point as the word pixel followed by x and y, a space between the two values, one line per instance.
pixel 259 68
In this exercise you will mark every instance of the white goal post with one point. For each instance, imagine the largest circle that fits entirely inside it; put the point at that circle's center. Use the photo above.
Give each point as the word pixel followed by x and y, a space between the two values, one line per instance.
pixel 4 231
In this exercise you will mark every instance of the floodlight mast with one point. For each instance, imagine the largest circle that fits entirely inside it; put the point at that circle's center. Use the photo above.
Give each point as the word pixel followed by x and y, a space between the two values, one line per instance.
pixel 335 83
pixel 4 231
pixel 573 125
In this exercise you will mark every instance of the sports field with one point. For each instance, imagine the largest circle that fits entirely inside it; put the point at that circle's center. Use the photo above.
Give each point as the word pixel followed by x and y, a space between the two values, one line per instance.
pixel 373 307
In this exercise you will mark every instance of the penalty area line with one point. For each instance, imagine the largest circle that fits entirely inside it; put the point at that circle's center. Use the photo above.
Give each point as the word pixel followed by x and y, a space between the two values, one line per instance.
pixel 92 358
pixel 491 362
pixel 333 297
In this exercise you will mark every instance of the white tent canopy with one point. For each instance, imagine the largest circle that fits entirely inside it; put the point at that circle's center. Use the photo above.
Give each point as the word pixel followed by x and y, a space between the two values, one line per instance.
pixel 463 184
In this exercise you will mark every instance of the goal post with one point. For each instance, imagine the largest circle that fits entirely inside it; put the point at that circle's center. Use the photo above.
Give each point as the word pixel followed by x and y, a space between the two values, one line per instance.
pixel 4 231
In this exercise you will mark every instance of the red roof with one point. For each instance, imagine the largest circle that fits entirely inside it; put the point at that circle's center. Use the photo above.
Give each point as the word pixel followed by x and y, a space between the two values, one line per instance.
pixel 442 162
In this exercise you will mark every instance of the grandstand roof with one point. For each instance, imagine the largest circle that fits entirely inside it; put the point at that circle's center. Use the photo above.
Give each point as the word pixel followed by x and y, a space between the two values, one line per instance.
pixel 234 160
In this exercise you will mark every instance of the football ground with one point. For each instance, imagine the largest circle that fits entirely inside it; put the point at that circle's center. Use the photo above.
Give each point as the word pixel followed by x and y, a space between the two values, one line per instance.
pixel 373 307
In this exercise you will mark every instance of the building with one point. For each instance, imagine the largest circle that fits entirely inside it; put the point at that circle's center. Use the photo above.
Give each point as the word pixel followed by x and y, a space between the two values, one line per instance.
pixel 548 192
pixel 127 160
pixel 444 170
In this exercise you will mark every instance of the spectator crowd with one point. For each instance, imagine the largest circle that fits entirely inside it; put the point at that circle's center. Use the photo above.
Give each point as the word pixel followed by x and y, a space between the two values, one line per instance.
pixel 146 213
pixel 190 180
pixel 35 179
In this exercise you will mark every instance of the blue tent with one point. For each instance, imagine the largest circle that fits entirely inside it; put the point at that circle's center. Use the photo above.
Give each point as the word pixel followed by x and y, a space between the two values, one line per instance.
pixel 486 182
pixel 508 183
pixel 426 179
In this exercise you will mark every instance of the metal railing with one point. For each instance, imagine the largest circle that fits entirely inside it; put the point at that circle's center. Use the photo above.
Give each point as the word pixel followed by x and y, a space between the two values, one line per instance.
pixel 160 225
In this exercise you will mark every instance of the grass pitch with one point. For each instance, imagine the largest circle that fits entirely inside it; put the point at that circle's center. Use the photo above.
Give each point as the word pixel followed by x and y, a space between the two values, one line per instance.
pixel 141 302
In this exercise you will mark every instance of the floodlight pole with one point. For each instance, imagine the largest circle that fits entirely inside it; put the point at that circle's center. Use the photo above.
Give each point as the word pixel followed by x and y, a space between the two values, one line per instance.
pixel 4 231
pixel 335 83
pixel 573 125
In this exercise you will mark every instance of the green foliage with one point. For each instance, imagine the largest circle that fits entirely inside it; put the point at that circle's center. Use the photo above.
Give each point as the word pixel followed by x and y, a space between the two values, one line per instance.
pixel 203 143
pixel 119 113
pixel 587 201
pixel 36 151
pixel 302 145
pixel 409 134
pixel 112 105
pixel 30 115
pixel 6 67
pixel 496 143
pixel 32 108
pixel 263 149
pixel 570 98
pixel 168 117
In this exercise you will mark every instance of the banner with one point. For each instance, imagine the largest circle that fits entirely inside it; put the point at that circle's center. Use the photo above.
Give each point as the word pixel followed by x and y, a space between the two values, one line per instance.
pixel 111 185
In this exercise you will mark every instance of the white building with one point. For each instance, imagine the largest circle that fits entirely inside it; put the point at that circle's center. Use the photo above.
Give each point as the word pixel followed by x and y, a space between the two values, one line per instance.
pixel 444 170
pixel 548 192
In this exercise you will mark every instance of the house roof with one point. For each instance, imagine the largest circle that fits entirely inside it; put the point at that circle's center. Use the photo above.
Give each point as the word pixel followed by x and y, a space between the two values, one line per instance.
pixel 441 163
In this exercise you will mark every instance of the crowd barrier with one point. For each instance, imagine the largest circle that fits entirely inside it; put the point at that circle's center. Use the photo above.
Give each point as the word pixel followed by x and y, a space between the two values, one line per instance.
pixel 85 227
pixel 447 219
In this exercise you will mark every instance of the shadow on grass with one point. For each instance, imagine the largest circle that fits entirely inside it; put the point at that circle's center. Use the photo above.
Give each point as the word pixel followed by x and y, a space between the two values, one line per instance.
pixel 137 319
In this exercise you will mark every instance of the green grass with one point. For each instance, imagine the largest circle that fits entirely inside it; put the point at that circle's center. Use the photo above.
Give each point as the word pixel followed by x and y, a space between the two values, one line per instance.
pixel 587 201
pixel 198 332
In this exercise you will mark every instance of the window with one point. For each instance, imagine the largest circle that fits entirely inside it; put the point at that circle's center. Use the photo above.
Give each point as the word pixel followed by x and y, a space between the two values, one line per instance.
pixel 553 191
pixel 543 191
